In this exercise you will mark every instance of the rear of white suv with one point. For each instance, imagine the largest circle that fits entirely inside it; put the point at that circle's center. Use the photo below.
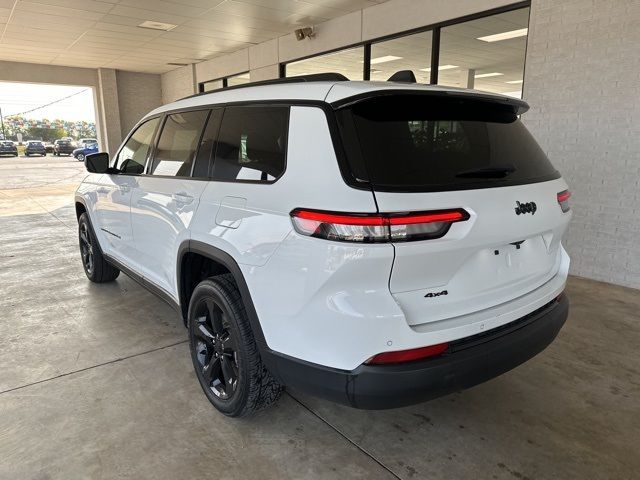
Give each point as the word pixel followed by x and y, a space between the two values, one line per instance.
pixel 379 245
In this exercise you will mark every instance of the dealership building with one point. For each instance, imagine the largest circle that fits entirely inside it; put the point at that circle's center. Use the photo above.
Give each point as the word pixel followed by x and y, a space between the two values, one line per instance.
pixel 573 61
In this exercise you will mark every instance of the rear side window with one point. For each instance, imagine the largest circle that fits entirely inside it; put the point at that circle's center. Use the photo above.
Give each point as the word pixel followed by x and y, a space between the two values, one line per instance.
pixel 133 155
pixel 252 144
pixel 430 143
pixel 178 143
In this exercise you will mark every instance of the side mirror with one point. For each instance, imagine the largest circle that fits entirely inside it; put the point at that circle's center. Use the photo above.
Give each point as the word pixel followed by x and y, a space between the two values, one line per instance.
pixel 97 162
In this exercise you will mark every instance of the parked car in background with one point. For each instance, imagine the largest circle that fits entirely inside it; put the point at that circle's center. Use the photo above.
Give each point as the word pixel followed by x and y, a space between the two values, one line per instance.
pixel 7 147
pixel 48 146
pixel 63 146
pixel 80 153
pixel 35 147
pixel 86 141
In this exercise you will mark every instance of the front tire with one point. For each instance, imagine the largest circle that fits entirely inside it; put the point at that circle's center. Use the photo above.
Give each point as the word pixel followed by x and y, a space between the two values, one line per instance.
pixel 80 157
pixel 97 269
pixel 224 351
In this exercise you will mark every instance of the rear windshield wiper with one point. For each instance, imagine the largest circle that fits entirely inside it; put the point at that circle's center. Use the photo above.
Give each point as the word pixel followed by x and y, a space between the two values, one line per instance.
pixel 496 171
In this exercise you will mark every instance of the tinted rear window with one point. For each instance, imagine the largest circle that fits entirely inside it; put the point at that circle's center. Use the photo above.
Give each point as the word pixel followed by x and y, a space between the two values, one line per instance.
pixel 435 143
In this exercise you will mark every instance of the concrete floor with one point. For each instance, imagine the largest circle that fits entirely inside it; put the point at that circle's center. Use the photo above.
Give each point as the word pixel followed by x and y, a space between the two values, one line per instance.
pixel 96 382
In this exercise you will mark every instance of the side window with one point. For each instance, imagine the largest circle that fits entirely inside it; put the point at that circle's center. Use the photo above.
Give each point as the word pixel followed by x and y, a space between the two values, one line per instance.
pixel 178 143
pixel 252 144
pixel 133 155
pixel 207 144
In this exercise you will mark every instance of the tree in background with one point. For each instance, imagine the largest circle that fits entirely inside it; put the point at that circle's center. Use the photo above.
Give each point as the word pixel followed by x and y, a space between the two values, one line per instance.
pixel 45 134
pixel 47 130
pixel 84 130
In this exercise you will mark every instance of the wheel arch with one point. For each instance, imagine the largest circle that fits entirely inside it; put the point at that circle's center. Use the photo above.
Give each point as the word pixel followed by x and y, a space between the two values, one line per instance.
pixel 81 207
pixel 226 263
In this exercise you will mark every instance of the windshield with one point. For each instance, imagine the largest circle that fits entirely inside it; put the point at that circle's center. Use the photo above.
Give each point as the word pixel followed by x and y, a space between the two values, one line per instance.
pixel 435 143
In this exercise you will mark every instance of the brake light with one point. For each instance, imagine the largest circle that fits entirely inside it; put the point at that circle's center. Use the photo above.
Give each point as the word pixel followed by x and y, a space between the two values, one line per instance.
pixel 375 228
pixel 407 355
pixel 563 200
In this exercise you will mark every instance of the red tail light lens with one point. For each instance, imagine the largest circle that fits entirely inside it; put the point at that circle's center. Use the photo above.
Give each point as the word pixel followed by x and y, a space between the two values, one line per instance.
pixel 375 228
pixel 407 355
pixel 563 200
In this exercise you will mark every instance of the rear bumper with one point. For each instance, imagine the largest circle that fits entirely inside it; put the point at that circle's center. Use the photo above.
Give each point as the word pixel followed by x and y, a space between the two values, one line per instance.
pixel 466 363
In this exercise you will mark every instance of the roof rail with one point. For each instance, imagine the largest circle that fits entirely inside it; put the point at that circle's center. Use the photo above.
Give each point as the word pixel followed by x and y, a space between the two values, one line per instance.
pixel 315 77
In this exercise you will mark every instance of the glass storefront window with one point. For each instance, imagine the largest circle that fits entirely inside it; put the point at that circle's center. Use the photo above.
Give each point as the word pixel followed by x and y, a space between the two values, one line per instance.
pixel 411 52
pixel 239 79
pixel 349 62
pixel 212 85
pixel 485 54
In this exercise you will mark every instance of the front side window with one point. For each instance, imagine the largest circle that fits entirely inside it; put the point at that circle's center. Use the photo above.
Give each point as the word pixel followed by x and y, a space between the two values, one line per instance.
pixel 133 155
pixel 178 143
pixel 252 144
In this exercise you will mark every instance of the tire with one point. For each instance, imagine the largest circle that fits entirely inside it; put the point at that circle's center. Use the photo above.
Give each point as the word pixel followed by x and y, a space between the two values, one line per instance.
pixel 97 269
pixel 80 157
pixel 26 154
pixel 224 352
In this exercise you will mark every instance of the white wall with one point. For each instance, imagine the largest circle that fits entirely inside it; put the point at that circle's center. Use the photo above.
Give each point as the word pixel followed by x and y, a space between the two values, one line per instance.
pixel 138 94
pixel 178 83
pixel 583 85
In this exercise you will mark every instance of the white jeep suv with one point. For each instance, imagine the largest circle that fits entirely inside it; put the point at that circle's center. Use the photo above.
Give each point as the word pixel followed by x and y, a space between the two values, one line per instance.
pixel 373 243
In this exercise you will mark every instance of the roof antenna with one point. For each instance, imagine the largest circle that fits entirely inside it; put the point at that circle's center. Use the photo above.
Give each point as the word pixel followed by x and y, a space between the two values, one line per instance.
pixel 404 76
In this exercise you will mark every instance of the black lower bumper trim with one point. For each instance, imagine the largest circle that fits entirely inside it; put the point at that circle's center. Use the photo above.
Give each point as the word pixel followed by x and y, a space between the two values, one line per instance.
pixel 388 386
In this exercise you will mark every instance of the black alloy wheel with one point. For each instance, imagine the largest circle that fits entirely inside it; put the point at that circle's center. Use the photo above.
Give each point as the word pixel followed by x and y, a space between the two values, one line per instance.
pixel 86 248
pixel 95 265
pixel 224 352
pixel 215 349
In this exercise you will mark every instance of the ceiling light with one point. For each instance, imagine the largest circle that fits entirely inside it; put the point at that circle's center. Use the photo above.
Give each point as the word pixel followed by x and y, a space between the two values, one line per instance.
pixel 485 75
pixel 514 81
pixel 386 58
pixel 440 67
pixel 157 25
pixel 522 32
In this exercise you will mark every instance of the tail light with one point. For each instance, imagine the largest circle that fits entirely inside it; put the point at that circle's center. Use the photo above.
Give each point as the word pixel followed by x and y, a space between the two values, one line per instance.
pixel 563 200
pixel 375 228
pixel 407 355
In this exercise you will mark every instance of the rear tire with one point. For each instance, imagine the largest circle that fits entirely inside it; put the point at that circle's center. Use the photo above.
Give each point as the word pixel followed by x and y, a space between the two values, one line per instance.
pixel 224 351
pixel 96 267
pixel 80 157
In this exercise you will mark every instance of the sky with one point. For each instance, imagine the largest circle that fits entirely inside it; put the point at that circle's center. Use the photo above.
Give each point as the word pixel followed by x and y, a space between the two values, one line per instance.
pixel 20 97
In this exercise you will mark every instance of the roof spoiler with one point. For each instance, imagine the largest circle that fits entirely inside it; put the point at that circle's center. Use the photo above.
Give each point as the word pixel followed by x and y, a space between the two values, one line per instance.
pixel 517 106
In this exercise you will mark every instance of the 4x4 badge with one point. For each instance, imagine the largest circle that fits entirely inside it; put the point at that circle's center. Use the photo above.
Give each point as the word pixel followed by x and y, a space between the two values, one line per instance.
pixel 529 207
pixel 436 294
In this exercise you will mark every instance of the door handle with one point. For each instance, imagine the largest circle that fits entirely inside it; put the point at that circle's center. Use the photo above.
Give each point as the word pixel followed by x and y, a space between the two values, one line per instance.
pixel 182 198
